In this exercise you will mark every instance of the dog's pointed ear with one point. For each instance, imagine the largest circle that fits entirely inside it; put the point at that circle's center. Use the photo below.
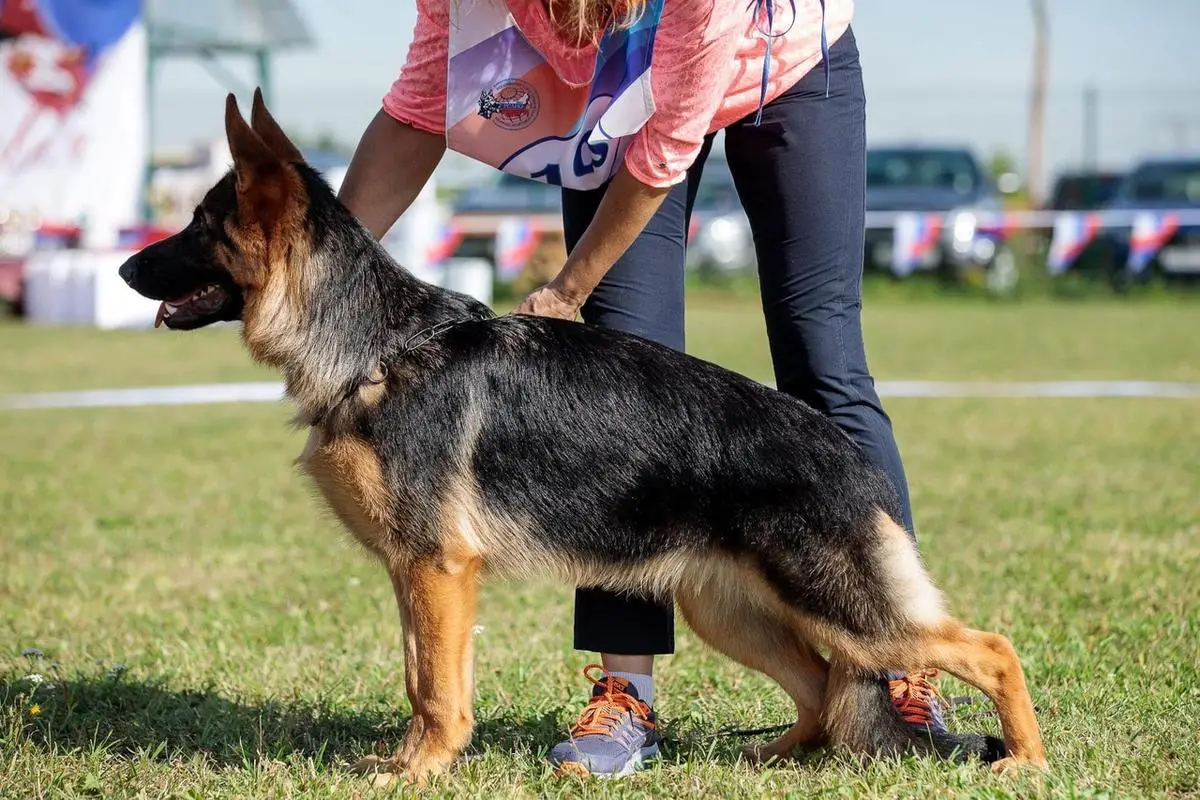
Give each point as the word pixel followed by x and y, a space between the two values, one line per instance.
pixel 251 156
pixel 261 179
pixel 262 123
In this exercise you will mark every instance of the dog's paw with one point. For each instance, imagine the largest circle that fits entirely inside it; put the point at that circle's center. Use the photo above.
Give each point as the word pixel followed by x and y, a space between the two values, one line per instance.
pixel 369 764
pixel 763 754
pixel 792 745
pixel 382 780
pixel 425 763
pixel 1016 764
pixel 384 772
pixel 381 771
pixel 415 770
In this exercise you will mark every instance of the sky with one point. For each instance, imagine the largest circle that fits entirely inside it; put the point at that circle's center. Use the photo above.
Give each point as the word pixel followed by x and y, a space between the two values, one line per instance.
pixel 946 71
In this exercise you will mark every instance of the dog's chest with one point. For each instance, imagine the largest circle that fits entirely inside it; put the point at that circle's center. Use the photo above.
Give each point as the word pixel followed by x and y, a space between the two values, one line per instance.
pixel 349 475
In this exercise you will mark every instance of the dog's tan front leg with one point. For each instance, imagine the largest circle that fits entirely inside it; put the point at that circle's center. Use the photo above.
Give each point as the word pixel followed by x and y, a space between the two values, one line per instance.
pixel 411 674
pixel 437 606
pixel 384 769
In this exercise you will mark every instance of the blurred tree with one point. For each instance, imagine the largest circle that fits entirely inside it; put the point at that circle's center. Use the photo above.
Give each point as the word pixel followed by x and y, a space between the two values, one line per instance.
pixel 1004 173
pixel 323 141
pixel 1001 163
pixel 1002 169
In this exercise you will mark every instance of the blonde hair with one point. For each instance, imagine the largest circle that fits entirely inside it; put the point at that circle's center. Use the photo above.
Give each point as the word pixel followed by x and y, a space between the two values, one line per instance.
pixel 585 21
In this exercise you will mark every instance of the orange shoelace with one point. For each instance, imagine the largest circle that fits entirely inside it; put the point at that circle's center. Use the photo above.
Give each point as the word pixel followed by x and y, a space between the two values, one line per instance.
pixel 914 697
pixel 605 711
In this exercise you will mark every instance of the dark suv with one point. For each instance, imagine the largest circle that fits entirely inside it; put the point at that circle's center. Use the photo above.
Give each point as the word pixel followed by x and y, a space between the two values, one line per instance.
pixel 948 181
pixel 1155 185
pixel 1083 191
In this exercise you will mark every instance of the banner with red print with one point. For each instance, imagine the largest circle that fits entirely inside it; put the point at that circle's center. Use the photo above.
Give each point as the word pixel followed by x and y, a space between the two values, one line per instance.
pixel 72 113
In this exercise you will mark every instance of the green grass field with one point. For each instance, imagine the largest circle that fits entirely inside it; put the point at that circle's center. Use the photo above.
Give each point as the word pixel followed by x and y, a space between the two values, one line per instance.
pixel 204 630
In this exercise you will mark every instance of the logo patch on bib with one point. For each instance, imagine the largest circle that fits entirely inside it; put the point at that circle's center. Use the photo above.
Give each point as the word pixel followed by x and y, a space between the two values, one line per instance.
pixel 510 104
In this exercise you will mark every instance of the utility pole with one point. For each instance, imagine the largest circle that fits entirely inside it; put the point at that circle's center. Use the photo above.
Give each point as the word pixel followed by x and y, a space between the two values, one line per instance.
pixel 1178 126
pixel 1037 102
pixel 1091 128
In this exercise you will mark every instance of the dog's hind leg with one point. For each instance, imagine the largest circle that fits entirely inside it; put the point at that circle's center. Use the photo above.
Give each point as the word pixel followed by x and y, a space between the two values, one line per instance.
pixel 988 662
pixel 912 632
pixel 725 612
pixel 437 607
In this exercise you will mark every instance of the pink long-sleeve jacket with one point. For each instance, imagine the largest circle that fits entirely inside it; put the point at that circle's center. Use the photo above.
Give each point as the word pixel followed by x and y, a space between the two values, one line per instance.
pixel 707 70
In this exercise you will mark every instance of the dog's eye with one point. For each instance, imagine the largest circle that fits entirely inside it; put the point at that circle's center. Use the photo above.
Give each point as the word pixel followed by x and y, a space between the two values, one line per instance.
pixel 201 224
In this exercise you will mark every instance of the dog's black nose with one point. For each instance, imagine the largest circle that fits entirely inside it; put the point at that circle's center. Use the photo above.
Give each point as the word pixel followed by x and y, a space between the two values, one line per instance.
pixel 126 272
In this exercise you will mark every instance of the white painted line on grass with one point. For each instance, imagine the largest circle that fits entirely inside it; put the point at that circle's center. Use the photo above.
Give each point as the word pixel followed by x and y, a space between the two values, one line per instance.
pixel 148 396
pixel 1014 389
pixel 273 392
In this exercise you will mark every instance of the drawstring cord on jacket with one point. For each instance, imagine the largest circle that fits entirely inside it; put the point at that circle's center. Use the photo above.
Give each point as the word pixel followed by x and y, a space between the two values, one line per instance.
pixel 768 6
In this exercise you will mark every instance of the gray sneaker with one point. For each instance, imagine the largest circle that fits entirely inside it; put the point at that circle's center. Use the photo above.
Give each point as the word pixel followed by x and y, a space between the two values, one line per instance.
pixel 917 700
pixel 614 735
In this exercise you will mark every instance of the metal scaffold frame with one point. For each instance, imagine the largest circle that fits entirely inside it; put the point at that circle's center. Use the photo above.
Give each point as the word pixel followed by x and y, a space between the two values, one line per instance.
pixel 209 31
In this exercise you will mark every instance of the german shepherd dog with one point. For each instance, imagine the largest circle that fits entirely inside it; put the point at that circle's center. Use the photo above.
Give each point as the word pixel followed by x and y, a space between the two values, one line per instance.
pixel 456 444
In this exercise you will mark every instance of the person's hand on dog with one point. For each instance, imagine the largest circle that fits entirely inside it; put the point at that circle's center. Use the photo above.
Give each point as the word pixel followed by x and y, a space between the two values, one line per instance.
pixel 549 301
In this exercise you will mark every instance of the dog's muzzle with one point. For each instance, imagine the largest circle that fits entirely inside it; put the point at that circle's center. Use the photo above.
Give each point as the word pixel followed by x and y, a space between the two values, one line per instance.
pixel 126 271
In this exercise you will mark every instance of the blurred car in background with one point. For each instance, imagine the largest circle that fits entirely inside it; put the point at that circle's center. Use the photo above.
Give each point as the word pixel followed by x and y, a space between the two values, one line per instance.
pixel 1083 190
pixel 510 194
pixel 945 180
pixel 477 211
pixel 719 239
pixel 1075 190
pixel 1157 184
pixel 899 179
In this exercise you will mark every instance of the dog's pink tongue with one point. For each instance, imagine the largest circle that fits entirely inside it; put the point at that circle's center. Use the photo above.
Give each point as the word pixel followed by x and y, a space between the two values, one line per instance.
pixel 162 312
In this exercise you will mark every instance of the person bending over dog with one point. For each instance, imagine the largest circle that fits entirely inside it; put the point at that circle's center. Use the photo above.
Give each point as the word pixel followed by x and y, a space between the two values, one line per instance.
pixel 618 104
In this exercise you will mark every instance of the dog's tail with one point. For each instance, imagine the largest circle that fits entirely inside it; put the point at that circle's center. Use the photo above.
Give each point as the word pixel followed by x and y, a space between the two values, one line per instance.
pixel 860 716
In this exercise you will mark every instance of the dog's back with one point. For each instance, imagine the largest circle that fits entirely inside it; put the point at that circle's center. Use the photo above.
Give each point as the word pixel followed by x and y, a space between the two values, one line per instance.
pixel 604 448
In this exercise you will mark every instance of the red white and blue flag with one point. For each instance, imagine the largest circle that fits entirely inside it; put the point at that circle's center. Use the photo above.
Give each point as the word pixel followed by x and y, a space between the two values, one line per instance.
pixel 516 241
pixel 138 236
pixel 913 239
pixel 996 226
pixel 1151 230
pixel 1073 232
pixel 448 238
pixel 55 236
